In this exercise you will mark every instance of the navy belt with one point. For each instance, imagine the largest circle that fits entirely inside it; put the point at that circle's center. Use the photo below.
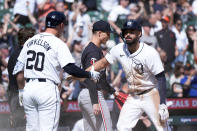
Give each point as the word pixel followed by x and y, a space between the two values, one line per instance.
pixel 144 92
pixel 39 79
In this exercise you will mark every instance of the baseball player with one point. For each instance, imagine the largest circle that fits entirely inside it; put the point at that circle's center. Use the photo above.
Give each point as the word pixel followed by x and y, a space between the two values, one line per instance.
pixel 42 58
pixel 91 100
pixel 145 76
pixel 17 111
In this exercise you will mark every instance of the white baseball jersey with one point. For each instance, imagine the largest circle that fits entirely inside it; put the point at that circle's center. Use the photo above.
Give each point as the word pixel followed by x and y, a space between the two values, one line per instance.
pixel 43 56
pixel 139 67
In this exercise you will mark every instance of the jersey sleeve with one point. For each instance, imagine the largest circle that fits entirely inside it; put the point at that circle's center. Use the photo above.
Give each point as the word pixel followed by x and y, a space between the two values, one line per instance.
pixel 22 56
pixel 63 55
pixel 18 68
pixel 110 56
pixel 154 62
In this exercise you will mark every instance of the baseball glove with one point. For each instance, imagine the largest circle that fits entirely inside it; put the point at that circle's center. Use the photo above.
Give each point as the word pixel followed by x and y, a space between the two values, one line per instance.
pixel 120 99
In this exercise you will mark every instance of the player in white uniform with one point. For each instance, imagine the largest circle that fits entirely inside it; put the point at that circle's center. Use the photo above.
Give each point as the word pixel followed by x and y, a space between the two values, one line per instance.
pixel 42 58
pixel 145 77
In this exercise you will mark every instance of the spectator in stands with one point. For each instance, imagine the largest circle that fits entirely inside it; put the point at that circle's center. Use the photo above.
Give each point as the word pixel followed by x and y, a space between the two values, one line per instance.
pixel 79 15
pixel 159 5
pixel 3 55
pixel 195 50
pixel 184 11
pixel 41 25
pixel 60 6
pixel 37 24
pixel 108 5
pixel 8 4
pixel 2 93
pixel 175 80
pixel 148 5
pixel 3 31
pixel 20 11
pixel 190 32
pixel 155 22
pixel 67 90
pixel 31 17
pixel 76 51
pixel 79 35
pixel 7 34
pixel 193 84
pixel 137 11
pixel 194 7
pixel 66 93
pixel 146 37
pixel 186 80
pixel 181 41
pixel 45 7
pixel 193 36
pixel 167 42
pixel 118 16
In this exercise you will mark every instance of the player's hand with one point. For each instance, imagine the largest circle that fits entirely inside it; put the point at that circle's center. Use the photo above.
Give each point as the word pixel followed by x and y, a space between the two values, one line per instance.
pixel 116 93
pixel 20 96
pixel 96 109
pixel 94 74
pixel 163 112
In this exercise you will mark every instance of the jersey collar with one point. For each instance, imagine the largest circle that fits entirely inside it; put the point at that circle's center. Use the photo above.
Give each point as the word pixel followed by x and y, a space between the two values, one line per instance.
pixel 126 50
pixel 46 34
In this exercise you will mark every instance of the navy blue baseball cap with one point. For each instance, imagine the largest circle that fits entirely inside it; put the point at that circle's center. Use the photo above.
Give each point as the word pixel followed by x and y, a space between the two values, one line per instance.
pixel 55 18
pixel 102 25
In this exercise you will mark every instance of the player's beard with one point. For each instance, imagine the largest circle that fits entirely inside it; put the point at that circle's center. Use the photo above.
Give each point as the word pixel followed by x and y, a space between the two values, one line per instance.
pixel 132 41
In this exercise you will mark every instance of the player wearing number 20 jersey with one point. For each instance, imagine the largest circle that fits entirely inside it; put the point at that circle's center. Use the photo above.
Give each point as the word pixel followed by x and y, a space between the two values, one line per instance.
pixel 43 56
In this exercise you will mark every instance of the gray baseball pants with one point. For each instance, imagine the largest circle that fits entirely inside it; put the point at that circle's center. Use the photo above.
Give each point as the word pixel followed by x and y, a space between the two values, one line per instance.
pixel 101 122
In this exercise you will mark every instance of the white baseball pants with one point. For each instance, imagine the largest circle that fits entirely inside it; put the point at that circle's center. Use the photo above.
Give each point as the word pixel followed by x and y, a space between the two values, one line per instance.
pixel 133 108
pixel 42 105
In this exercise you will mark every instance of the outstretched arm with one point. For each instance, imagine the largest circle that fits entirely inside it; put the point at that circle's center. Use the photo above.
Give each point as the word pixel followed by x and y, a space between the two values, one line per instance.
pixel 75 71
pixel 101 64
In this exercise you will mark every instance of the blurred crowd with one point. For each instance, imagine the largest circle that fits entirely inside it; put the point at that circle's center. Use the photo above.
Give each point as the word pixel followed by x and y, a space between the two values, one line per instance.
pixel 167 25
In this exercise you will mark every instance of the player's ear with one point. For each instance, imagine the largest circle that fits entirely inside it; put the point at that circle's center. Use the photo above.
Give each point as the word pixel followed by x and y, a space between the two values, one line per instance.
pixel 139 34
pixel 62 25
pixel 99 33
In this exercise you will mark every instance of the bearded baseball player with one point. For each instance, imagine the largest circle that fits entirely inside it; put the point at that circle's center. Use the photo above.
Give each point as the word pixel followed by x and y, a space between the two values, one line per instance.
pixel 41 59
pixel 145 76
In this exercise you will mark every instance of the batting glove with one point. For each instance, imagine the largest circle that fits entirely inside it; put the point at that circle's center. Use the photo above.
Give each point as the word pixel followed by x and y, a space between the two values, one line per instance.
pixel 163 112
pixel 94 74
pixel 20 96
